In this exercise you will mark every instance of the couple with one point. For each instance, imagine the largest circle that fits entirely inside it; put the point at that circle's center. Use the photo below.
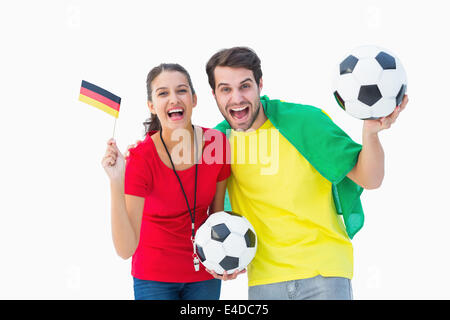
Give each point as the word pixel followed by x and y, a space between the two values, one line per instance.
pixel 157 204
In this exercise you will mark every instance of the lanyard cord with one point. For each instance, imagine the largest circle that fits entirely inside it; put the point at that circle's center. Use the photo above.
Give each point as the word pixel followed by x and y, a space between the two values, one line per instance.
pixel 191 213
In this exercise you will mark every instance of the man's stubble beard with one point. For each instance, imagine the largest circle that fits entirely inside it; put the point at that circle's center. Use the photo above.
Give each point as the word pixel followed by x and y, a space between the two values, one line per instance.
pixel 253 119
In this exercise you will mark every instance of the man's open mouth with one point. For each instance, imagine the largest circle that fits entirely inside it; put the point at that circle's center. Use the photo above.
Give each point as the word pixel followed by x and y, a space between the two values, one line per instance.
pixel 240 113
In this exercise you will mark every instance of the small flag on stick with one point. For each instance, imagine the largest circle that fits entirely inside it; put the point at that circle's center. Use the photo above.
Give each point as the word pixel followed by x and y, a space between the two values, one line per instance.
pixel 100 98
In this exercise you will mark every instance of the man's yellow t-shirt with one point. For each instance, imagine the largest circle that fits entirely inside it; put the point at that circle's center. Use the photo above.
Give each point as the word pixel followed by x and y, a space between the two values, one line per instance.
pixel 291 207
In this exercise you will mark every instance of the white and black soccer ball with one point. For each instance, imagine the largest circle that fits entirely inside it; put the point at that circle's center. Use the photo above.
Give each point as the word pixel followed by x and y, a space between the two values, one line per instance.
pixel 226 241
pixel 369 82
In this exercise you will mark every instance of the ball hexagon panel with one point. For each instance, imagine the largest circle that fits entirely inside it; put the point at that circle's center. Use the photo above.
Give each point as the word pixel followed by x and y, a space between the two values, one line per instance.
pixel 234 245
pixel 217 218
pixel 236 225
pixel 213 251
pixel 400 71
pixel 389 83
pixel 213 266
pixel 348 87
pixel 219 232
pixel 367 72
pixel 358 110
pixel 383 107
pixel 203 235
pixel 246 257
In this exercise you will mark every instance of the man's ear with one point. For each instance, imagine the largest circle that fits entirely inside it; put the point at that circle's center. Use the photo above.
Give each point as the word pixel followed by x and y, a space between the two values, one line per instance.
pixel 260 85
pixel 151 107
pixel 213 93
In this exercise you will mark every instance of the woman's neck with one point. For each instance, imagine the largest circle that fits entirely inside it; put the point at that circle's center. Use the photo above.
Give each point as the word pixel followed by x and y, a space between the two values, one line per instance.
pixel 172 137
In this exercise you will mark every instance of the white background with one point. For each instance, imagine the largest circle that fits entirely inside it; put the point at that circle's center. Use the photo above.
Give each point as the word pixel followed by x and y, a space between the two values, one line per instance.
pixel 55 237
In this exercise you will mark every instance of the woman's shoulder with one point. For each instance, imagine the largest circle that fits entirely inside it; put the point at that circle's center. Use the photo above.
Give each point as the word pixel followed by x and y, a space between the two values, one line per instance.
pixel 142 148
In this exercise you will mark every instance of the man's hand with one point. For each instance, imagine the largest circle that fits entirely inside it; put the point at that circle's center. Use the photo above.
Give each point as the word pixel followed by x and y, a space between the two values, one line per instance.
pixel 131 146
pixel 375 126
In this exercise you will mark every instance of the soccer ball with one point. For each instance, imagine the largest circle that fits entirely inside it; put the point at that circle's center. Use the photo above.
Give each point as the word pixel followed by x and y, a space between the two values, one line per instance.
pixel 225 242
pixel 370 82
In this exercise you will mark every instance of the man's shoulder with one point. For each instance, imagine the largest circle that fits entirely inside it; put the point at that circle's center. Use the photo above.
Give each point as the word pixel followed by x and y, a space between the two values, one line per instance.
pixel 294 111
pixel 222 126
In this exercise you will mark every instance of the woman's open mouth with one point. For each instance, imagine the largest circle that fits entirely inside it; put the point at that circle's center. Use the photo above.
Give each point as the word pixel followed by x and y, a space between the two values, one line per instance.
pixel 175 114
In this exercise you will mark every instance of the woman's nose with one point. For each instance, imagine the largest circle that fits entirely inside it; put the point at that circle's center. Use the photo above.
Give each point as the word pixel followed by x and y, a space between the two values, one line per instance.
pixel 173 98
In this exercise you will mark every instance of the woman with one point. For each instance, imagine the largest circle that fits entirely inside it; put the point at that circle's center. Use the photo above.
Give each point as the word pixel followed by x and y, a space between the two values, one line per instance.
pixel 162 193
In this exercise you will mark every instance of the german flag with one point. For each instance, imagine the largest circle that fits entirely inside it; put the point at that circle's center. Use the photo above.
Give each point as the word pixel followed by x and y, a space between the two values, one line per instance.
pixel 99 98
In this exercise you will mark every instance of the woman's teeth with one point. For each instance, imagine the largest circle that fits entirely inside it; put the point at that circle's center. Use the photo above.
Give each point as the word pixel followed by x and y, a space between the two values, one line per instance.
pixel 175 113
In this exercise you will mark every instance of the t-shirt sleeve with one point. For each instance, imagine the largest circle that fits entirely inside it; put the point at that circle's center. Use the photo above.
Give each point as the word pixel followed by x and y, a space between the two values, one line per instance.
pixel 224 173
pixel 138 178
pixel 225 170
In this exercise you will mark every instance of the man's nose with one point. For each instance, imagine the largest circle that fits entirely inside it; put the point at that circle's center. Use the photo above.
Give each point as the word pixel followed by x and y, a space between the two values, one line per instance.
pixel 236 97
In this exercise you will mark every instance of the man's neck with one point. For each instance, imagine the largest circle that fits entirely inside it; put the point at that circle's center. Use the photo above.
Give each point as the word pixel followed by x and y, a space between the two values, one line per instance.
pixel 261 118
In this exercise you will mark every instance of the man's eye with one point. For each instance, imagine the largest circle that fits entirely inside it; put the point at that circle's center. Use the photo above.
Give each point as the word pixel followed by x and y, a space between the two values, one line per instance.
pixel 225 89
pixel 245 86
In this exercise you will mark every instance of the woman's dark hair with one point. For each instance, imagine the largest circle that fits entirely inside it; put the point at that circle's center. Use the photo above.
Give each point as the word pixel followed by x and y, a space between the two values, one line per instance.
pixel 152 123
pixel 236 57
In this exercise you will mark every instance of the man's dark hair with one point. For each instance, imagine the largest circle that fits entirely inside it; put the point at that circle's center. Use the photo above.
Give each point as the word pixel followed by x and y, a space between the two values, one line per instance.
pixel 236 57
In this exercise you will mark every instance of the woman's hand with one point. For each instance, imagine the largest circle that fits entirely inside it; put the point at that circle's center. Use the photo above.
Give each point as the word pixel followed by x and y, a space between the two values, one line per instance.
pixel 225 276
pixel 114 162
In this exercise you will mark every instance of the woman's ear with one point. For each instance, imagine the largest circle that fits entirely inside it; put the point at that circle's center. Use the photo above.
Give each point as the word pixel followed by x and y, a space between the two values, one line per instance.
pixel 151 107
pixel 194 99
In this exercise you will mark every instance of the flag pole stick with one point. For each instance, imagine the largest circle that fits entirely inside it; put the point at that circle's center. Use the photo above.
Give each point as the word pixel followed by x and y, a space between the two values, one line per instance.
pixel 114 130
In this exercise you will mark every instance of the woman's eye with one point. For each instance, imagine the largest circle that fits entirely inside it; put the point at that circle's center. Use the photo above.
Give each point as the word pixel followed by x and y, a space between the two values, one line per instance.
pixel 163 93
pixel 182 90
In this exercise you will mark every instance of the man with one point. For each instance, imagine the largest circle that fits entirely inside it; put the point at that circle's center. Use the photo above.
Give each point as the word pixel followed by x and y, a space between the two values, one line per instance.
pixel 317 172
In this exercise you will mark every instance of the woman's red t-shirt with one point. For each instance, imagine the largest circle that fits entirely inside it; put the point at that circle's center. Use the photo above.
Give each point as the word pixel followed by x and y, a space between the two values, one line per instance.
pixel 164 252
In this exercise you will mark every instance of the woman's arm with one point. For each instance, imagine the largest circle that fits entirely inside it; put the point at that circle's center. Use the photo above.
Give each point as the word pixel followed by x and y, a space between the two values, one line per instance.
pixel 126 210
pixel 219 197
pixel 126 217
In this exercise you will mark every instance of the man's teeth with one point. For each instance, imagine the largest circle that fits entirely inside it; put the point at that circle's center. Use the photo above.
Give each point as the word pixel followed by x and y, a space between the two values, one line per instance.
pixel 238 109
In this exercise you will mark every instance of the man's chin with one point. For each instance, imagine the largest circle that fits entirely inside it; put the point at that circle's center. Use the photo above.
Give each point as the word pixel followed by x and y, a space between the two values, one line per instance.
pixel 237 126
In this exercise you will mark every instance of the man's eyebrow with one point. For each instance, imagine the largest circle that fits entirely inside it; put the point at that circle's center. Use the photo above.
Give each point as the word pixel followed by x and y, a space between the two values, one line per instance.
pixel 222 84
pixel 248 79
pixel 226 84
